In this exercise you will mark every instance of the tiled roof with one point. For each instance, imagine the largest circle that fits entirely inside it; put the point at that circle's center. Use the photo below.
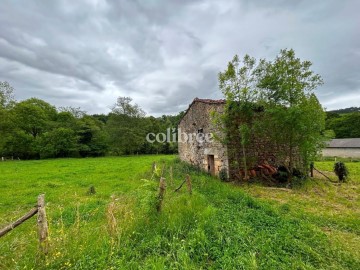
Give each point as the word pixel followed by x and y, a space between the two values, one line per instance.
pixel 344 143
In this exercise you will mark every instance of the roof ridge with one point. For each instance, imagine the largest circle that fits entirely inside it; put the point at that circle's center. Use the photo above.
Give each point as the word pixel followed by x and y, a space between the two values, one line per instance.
pixel 208 100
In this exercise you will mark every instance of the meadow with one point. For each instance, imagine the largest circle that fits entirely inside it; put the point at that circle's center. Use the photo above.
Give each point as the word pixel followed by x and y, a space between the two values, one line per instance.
pixel 315 225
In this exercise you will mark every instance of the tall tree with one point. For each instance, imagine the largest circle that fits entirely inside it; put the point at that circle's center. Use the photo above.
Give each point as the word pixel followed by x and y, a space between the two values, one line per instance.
pixel 93 140
pixel 123 106
pixel 34 116
pixel 6 95
pixel 7 101
pixel 125 127
pixel 287 85
pixel 77 112
pixel 273 101
pixel 238 84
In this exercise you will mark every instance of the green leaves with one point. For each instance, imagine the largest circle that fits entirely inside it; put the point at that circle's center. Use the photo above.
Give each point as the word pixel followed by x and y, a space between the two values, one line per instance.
pixel 273 101
pixel 287 80
pixel 344 125
pixel 60 142
pixel 6 95
pixel 237 81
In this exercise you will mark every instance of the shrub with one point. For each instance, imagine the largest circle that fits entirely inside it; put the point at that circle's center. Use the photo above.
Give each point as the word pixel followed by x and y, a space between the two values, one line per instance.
pixel 223 174
pixel 341 171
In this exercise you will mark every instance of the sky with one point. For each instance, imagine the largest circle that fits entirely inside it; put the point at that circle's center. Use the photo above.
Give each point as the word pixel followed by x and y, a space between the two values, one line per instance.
pixel 163 54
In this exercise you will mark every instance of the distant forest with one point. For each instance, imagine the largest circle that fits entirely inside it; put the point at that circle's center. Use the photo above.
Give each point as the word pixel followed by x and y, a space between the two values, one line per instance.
pixel 345 123
pixel 33 129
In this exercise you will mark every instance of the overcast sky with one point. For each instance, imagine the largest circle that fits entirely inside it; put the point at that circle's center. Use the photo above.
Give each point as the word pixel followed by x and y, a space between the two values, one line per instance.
pixel 163 54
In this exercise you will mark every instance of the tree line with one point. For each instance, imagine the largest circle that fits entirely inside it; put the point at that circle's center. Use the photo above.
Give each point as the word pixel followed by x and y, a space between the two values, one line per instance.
pixel 344 123
pixel 34 129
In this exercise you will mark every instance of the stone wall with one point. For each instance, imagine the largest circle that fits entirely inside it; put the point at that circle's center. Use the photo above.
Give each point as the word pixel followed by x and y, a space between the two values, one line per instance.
pixel 197 120
pixel 260 149
pixel 341 152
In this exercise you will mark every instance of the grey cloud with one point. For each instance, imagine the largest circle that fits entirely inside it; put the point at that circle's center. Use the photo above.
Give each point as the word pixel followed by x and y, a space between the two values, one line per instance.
pixel 165 53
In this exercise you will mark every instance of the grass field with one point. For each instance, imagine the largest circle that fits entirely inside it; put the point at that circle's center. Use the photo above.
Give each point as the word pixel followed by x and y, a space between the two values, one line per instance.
pixel 316 225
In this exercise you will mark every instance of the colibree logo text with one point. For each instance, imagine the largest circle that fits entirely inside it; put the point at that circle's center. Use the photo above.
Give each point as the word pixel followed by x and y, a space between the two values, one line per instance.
pixel 172 136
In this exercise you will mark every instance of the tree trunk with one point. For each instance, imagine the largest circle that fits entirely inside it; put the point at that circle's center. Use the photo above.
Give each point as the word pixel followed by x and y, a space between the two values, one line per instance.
pixel 162 187
pixel 291 163
pixel 246 177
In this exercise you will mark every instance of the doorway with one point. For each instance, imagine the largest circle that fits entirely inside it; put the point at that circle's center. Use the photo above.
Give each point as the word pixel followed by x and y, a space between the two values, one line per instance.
pixel 211 164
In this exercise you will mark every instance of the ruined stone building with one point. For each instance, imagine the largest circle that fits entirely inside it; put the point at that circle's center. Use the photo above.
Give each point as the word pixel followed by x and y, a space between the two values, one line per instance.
pixel 197 121
pixel 214 156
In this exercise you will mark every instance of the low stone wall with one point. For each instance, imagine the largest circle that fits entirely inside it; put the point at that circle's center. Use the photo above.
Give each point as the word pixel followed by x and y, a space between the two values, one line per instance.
pixel 341 152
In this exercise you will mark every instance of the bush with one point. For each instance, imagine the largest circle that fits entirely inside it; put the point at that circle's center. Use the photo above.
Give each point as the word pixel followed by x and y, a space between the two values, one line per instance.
pixel 341 171
pixel 223 174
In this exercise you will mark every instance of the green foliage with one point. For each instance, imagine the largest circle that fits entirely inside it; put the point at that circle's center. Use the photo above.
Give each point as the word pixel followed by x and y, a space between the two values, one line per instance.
pixel 223 174
pixel 126 134
pixel 21 145
pixel 341 171
pixel 34 116
pixel 274 102
pixel 238 84
pixel 344 125
pixel 6 95
pixel 296 115
pixel 60 142
pixel 123 106
pixel 33 129
pixel 287 80
pixel 91 190
pixel 93 140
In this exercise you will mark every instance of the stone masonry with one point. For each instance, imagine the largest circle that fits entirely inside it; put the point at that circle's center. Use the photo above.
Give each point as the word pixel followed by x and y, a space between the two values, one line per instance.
pixel 209 156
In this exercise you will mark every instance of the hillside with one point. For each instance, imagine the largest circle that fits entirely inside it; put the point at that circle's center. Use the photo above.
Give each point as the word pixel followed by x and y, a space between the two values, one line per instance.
pixel 220 226
pixel 346 110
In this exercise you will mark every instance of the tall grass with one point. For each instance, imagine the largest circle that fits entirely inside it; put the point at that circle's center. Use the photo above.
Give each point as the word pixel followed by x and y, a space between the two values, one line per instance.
pixel 218 226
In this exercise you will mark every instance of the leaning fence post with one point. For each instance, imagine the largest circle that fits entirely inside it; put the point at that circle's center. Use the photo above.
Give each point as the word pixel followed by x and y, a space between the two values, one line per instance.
pixel 42 224
pixel 171 175
pixel 188 183
pixel 312 169
pixel 18 222
pixel 162 187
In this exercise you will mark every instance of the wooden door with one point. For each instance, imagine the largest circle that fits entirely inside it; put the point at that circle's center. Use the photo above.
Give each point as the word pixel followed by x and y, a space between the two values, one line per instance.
pixel 211 164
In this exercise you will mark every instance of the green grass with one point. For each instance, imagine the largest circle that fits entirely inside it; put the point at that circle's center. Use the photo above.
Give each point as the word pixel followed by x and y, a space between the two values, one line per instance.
pixel 220 226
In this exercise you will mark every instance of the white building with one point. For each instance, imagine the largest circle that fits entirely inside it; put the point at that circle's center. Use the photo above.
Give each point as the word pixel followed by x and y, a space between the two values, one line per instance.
pixel 343 148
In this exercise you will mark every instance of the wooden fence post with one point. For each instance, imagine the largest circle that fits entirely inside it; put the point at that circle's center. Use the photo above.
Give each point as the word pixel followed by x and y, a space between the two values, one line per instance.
pixel 162 187
pixel 188 183
pixel 42 224
pixel 171 175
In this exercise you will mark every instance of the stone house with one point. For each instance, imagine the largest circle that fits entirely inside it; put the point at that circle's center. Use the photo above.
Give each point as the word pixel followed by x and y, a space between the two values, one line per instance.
pixel 213 156
pixel 197 122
